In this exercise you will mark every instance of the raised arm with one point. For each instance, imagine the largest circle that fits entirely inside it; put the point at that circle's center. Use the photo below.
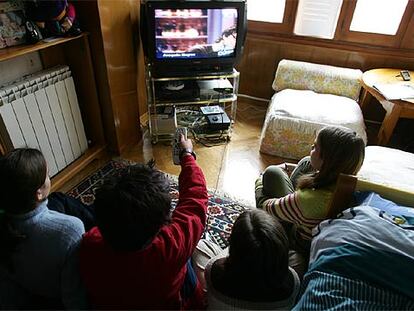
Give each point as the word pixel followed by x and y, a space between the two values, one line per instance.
pixel 189 217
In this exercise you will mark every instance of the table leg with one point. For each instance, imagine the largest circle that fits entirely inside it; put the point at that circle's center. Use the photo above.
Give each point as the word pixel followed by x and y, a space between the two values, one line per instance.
pixel 365 99
pixel 388 124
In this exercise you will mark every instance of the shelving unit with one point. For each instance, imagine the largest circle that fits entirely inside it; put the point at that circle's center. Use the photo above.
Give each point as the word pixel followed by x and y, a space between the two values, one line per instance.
pixel 74 52
pixel 189 101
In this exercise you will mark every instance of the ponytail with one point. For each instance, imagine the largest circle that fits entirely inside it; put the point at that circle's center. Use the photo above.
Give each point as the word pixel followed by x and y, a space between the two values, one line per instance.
pixel 341 151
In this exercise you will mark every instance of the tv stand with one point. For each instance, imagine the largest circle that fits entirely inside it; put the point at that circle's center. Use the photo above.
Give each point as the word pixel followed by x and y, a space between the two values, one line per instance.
pixel 179 106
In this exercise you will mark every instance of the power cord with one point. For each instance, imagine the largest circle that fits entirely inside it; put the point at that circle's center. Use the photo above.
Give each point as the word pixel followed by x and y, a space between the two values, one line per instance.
pixel 254 98
pixel 223 157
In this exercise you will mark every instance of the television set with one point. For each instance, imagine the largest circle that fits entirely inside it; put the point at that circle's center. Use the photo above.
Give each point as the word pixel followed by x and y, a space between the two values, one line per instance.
pixel 192 37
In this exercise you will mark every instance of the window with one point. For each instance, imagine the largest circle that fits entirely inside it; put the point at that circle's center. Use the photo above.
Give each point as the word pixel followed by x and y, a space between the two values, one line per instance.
pixel 380 16
pixel 386 23
pixel 271 11
pixel 317 18
pixel 380 22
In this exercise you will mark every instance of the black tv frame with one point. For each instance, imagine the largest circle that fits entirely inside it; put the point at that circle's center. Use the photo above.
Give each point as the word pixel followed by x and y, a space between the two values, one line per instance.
pixel 190 66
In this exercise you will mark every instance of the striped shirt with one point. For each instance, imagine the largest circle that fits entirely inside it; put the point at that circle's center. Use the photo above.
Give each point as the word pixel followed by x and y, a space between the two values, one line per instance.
pixel 305 208
pixel 324 291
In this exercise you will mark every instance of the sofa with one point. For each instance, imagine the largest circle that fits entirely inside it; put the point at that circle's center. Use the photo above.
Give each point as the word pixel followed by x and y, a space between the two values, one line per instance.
pixel 308 97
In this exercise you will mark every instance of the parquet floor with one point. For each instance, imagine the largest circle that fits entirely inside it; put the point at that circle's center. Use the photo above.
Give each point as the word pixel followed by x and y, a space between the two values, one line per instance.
pixel 231 168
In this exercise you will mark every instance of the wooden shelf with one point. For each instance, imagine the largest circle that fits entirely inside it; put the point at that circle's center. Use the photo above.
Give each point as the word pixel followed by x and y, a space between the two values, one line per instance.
pixel 195 102
pixel 75 53
pixel 19 50
pixel 78 165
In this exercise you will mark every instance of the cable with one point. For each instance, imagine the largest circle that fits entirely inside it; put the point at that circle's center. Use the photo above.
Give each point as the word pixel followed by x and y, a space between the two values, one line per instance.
pixel 221 167
pixel 254 98
pixel 209 141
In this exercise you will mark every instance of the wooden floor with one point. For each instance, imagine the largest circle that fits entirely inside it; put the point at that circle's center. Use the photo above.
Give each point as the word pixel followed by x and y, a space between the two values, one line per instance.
pixel 231 168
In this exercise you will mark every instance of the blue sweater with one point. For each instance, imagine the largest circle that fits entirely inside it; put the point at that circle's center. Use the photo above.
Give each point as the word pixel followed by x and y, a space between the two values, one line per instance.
pixel 46 262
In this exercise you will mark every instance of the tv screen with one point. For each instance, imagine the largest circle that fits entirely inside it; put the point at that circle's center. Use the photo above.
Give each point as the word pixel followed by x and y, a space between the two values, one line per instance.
pixel 192 36
pixel 195 33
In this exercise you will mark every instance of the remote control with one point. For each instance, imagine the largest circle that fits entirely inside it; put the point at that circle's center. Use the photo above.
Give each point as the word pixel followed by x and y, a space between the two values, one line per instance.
pixel 176 149
pixel 405 74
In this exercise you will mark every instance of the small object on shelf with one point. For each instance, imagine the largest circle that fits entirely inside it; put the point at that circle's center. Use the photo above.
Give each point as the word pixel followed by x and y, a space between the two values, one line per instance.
pixel 54 18
pixel 405 74
pixel 216 88
pixel 165 120
pixel 177 90
pixel 12 29
pixel 33 34
pixel 218 122
pixel 174 85
pixel 211 110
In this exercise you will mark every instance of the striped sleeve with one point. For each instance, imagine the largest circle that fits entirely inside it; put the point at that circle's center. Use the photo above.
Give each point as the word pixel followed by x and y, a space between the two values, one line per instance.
pixel 288 208
pixel 285 208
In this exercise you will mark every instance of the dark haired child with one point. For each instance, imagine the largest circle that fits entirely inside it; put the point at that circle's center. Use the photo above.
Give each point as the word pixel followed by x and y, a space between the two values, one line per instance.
pixel 225 44
pixel 38 246
pixel 254 275
pixel 303 199
pixel 138 255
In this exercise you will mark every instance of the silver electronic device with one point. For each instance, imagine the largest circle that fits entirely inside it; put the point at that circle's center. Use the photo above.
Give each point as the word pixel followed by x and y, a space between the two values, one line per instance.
pixel 176 149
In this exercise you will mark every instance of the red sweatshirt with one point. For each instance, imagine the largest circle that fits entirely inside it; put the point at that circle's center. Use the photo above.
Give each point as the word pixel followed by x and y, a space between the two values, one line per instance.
pixel 150 278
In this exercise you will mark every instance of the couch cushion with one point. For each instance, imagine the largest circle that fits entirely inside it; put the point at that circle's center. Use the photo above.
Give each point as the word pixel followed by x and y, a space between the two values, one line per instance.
pixel 294 117
pixel 390 167
pixel 319 108
pixel 319 78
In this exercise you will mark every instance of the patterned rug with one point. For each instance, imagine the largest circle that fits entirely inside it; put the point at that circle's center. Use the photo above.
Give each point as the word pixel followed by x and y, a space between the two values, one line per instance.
pixel 222 211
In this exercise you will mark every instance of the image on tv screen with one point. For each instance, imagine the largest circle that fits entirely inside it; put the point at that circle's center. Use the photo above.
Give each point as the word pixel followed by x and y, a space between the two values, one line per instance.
pixel 195 33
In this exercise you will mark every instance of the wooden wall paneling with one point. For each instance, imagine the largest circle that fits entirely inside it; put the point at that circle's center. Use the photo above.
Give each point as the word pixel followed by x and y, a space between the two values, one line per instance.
pixel 5 141
pixel 111 25
pixel 53 56
pixel 262 54
pixel 83 74
pixel 88 14
pixel 117 35
pixel 257 68
pixel 141 86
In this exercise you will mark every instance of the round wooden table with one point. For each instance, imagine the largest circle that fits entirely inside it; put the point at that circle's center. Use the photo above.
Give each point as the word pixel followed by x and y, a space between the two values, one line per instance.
pixel 395 109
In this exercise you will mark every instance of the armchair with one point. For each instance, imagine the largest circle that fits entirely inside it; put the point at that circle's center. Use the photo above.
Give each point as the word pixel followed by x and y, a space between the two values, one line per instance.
pixel 308 97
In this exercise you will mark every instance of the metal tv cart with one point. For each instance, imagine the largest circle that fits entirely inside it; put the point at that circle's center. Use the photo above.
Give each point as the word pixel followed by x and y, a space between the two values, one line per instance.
pixel 175 102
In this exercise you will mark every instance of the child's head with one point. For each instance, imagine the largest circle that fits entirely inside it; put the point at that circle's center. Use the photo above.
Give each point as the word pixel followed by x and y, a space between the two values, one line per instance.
pixel 228 38
pixel 259 251
pixel 132 206
pixel 24 180
pixel 336 150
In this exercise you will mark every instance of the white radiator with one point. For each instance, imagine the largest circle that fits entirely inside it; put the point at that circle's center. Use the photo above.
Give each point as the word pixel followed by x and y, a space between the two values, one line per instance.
pixel 41 111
